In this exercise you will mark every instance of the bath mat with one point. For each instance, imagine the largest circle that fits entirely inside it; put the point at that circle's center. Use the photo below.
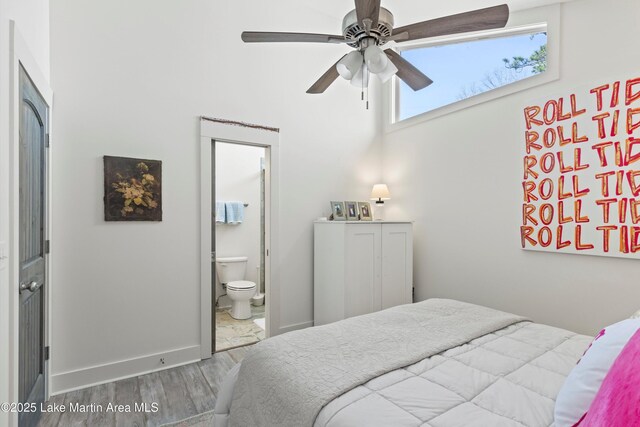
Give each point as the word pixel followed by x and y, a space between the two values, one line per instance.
pixel 261 322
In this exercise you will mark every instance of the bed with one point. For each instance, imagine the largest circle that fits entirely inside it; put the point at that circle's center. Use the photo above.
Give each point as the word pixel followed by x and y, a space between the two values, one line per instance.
pixel 436 363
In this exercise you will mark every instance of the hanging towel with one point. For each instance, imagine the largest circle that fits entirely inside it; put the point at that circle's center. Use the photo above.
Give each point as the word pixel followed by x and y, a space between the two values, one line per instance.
pixel 220 213
pixel 235 212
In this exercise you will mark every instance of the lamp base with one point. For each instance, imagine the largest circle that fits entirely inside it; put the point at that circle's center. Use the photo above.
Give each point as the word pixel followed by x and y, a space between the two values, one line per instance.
pixel 378 211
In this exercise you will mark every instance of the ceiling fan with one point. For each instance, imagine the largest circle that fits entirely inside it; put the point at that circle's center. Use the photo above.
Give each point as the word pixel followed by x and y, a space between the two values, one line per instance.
pixel 368 27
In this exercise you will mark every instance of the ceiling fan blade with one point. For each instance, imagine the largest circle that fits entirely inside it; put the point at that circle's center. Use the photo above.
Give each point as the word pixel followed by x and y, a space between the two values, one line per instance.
pixel 397 37
pixel 263 37
pixel 326 79
pixel 368 12
pixel 407 72
pixel 476 20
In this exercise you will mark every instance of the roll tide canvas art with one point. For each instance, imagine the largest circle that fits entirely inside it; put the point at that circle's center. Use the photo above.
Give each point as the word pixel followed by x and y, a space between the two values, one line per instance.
pixel 132 189
pixel 581 171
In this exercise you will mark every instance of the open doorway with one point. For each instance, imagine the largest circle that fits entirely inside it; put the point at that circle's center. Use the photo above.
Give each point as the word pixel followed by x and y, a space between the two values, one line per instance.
pixel 214 131
pixel 239 232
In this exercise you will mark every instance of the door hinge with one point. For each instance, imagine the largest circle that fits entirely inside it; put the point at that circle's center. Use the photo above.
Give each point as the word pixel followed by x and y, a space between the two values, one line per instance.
pixel 47 142
pixel 46 353
pixel 47 246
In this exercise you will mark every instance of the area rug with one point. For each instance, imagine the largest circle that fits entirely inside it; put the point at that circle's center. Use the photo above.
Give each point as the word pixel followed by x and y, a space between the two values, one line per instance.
pixel 200 420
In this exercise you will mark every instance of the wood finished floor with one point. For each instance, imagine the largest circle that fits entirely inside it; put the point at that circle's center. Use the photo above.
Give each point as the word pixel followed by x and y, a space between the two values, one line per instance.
pixel 180 392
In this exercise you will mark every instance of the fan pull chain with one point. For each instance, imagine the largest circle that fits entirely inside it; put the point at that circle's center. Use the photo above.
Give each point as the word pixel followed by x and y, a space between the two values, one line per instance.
pixel 368 77
pixel 363 68
pixel 367 97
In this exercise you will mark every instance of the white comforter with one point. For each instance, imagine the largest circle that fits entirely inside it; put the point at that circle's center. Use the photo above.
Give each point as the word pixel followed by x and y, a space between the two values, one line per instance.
pixel 507 378
pixel 498 376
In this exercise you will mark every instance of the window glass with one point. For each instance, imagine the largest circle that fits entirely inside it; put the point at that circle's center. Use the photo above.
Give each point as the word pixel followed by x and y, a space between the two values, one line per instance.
pixel 466 69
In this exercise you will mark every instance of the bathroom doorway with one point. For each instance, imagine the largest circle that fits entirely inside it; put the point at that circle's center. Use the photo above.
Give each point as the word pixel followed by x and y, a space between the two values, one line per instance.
pixel 215 131
pixel 239 246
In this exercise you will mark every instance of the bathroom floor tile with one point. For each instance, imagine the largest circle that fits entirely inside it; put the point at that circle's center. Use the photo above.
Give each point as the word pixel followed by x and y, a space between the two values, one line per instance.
pixel 232 332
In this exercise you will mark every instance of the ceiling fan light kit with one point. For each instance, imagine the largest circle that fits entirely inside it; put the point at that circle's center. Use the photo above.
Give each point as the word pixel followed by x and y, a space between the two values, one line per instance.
pixel 349 65
pixel 370 26
pixel 375 59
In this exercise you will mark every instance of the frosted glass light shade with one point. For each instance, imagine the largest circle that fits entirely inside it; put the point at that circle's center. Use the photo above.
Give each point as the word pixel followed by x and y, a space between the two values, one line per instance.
pixel 380 193
pixel 375 59
pixel 361 78
pixel 388 72
pixel 349 66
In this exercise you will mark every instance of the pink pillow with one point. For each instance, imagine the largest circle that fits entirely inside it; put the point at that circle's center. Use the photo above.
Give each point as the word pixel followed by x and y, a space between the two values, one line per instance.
pixel 617 403
pixel 582 384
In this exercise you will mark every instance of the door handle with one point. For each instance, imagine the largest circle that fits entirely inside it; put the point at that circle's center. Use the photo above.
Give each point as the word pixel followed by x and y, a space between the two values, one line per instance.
pixel 33 286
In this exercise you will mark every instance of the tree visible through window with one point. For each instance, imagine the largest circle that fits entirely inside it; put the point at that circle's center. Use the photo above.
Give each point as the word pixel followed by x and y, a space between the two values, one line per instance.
pixel 466 69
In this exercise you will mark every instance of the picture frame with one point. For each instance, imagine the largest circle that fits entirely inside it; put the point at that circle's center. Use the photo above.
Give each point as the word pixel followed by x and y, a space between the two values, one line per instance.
pixel 132 189
pixel 351 211
pixel 337 211
pixel 365 211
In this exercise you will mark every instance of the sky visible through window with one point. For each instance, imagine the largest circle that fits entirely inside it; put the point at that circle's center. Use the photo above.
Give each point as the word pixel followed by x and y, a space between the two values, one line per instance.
pixel 465 69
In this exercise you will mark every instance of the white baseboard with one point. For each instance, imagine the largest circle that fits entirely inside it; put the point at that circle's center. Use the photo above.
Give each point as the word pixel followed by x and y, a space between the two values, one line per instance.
pixel 295 327
pixel 100 374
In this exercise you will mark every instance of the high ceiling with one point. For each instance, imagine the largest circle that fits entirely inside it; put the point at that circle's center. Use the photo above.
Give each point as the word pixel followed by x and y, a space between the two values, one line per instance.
pixel 409 11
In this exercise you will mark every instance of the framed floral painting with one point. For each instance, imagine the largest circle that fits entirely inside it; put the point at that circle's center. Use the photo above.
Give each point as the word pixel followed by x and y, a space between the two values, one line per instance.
pixel 132 189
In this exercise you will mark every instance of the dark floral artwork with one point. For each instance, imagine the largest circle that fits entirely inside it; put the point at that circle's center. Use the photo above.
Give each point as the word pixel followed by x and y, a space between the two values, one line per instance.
pixel 132 189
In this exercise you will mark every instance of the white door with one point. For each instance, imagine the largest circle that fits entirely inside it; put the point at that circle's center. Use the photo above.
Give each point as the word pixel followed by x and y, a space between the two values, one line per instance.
pixel 397 265
pixel 363 275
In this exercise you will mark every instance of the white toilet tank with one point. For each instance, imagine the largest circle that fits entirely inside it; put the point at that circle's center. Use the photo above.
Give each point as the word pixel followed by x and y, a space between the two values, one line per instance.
pixel 231 269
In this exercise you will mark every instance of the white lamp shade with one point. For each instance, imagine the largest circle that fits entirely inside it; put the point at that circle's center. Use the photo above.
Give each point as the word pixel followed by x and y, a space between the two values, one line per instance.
pixel 375 59
pixel 349 66
pixel 380 192
pixel 388 72
pixel 361 78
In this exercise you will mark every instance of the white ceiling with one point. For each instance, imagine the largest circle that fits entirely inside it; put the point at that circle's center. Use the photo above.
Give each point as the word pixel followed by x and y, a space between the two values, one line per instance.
pixel 410 11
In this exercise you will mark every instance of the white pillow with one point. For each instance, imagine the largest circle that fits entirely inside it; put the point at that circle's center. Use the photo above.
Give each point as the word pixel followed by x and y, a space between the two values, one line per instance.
pixel 582 384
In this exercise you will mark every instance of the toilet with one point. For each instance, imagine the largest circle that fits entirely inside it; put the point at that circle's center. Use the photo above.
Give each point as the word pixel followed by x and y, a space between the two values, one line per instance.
pixel 231 273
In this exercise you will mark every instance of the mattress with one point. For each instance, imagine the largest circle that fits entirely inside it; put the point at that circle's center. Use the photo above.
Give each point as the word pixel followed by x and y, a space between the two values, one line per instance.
pixel 507 378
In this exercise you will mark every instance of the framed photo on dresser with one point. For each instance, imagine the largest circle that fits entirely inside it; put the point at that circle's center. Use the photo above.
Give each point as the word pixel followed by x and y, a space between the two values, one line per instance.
pixel 337 211
pixel 365 211
pixel 351 209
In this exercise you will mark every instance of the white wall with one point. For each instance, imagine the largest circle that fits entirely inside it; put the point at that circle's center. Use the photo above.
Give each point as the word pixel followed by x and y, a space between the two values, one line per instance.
pixel 458 177
pixel 5 325
pixel 32 21
pixel 131 79
pixel 238 177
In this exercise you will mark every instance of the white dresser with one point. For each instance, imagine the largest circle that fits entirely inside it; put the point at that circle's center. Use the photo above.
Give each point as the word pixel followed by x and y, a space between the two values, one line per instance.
pixel 361 267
